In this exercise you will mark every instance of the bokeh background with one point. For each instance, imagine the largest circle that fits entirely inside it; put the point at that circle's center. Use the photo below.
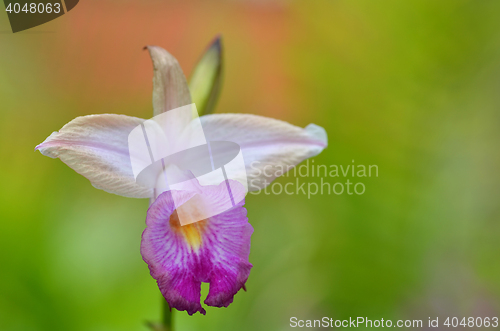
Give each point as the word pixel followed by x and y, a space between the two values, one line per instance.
pixel 410 86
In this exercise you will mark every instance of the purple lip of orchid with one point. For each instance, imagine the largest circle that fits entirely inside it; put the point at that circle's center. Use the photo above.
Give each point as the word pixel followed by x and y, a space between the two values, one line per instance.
pixel 216 249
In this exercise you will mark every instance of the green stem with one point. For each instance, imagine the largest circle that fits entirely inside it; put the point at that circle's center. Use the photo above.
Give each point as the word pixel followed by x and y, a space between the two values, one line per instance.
pixel 167 316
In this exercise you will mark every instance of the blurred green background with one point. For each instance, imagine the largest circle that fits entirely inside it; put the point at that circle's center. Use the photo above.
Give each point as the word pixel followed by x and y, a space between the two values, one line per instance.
pixel 410 86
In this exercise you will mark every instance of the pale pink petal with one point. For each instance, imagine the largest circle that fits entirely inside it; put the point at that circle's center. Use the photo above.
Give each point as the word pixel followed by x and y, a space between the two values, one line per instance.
pixel 96 147
pixel 270 147
pixel 170 88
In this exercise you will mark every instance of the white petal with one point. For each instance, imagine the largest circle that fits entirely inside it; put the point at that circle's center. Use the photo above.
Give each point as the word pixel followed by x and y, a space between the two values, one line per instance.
pixel 170 88
pixel 96 147
pixel 270 147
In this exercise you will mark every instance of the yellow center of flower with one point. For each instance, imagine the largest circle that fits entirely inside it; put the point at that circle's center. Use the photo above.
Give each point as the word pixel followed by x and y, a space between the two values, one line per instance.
pixel 192 232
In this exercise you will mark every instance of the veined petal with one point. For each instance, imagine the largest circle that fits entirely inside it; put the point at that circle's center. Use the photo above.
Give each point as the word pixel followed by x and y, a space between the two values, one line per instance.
pixel 206 81
pixel 214 250
pixel 270 147
pixel 96 147
pixel 170 88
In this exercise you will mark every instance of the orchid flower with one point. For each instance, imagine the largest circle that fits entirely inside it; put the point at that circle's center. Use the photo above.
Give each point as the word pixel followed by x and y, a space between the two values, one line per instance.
pixel 214 250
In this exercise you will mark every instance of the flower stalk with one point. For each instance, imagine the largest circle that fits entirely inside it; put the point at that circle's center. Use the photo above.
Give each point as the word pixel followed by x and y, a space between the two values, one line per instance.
pixel 167 316
pixel 167 319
